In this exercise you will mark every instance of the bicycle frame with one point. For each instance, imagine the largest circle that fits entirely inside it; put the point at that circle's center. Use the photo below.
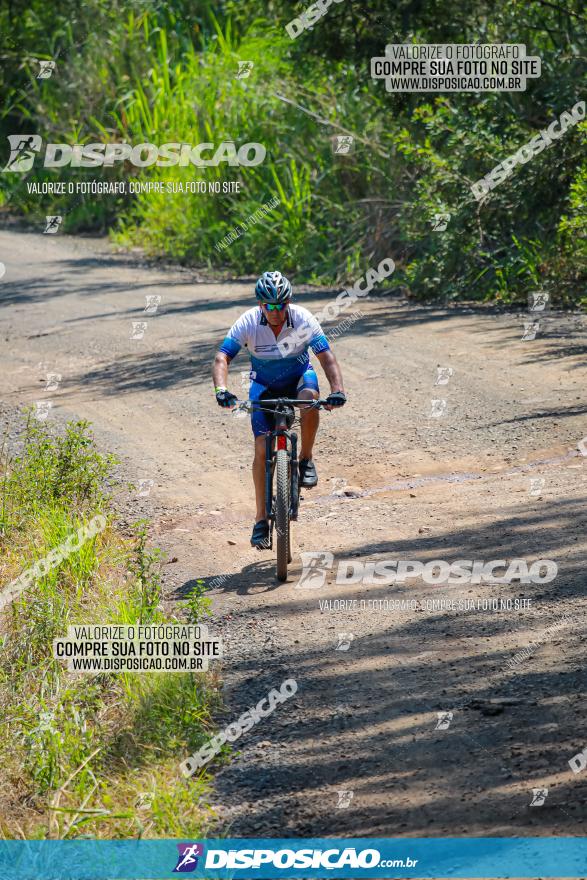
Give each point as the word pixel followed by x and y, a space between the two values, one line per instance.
pixel 281 437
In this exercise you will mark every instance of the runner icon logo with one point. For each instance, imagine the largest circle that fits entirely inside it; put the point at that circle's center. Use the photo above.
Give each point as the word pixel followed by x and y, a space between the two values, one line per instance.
pixel 53 381
pixel 46 68
pixel 315 566
pixel 42 409
pixel 145 487
pixel 23 148
pixel 152 303
pixel 531 328
pixel 344 641
pixel 345 797
pixel 444 719
pixel 538 301
pixel 440 222
pixel 443 375
pixel 539 795
pixel 342 143
pixel 244 69
pixel 138 329
pixel 579 761
pixel 437 408
pixel 52 224
pixel 187 860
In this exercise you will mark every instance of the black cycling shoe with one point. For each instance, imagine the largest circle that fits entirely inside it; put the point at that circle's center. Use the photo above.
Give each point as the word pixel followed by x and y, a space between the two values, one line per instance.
pixel 260 536
pixel 308 474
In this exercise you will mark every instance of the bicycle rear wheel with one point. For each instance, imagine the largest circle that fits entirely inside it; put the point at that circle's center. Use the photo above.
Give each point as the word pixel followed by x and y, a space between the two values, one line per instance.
pixel 282 512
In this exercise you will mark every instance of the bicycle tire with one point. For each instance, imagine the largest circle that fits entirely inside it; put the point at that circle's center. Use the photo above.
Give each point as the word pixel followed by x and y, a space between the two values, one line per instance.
pixel 282 512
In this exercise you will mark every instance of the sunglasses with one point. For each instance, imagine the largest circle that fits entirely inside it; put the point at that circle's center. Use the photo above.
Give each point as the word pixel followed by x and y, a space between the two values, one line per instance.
pixel 275 307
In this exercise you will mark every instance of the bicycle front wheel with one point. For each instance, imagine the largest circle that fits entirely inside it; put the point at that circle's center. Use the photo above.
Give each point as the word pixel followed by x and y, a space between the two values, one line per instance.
pixel 282 512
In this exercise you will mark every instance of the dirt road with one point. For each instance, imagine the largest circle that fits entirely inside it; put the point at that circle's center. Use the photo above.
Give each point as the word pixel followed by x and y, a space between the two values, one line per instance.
pixel 360 750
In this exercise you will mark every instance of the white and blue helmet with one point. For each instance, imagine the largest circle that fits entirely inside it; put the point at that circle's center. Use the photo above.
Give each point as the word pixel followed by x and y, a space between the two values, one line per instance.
pixel 273 287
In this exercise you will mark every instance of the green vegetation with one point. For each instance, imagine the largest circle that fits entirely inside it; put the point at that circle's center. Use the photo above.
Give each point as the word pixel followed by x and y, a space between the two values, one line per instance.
pixel 142 71
pixel 88 755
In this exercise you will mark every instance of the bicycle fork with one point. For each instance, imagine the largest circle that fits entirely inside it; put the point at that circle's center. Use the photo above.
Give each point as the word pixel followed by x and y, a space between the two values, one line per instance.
pixel 282 439
pixel 295 495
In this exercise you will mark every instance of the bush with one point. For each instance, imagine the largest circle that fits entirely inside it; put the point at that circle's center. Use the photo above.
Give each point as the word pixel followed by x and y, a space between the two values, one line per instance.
pixel 165 76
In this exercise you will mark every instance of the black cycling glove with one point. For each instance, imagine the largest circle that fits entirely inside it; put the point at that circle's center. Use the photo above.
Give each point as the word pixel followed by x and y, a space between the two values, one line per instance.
pixel 226 399
pixel 336 398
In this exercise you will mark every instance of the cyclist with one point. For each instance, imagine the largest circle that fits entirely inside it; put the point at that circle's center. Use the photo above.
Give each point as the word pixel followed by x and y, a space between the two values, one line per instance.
pixel 278 335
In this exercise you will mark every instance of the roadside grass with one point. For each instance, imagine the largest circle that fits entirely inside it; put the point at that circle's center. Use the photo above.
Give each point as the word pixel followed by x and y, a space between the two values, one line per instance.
pixel 88 755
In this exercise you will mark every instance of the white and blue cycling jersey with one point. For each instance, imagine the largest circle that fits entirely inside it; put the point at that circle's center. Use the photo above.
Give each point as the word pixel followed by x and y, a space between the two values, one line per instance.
pixel 276 362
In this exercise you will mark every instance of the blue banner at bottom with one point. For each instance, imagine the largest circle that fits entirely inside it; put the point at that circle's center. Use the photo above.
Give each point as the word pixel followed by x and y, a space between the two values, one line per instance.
pixel 489 857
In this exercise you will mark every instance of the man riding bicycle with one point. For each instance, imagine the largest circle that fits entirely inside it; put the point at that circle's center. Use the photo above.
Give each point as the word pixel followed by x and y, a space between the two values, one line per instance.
pixel 278 335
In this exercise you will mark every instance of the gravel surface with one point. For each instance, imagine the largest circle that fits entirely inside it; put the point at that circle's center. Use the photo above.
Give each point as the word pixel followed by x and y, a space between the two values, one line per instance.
pixel 360 749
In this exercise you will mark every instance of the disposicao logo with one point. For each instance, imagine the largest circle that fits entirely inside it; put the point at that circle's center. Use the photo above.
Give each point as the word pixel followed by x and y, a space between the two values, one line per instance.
pixel 285 858
pixel 187 860
pixel 25 147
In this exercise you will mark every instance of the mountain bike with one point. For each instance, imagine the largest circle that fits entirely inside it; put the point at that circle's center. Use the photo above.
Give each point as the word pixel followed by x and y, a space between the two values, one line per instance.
pixel 282 496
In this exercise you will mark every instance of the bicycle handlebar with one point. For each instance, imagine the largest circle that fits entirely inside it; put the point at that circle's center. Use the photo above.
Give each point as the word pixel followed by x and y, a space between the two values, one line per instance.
pixel 285 401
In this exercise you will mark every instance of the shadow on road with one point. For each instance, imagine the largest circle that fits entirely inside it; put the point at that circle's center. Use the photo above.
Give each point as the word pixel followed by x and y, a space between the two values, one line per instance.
pixel 371 714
